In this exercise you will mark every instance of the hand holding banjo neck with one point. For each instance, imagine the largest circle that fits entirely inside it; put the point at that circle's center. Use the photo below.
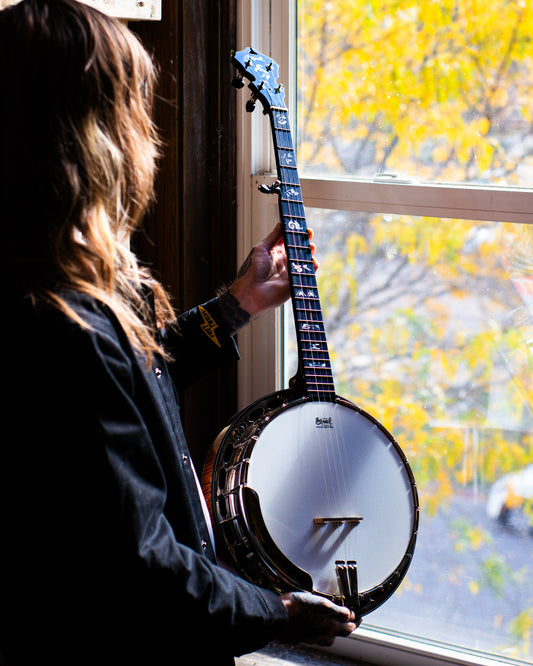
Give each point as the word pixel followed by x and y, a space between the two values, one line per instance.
pixel 306 490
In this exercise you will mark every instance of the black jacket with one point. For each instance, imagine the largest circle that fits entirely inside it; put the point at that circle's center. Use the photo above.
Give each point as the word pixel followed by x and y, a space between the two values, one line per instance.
pixel 105 556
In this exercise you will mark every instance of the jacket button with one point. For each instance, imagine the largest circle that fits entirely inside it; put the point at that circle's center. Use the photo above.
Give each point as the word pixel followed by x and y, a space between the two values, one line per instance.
pixel 185 457
pixel 157 372
pixel 204 544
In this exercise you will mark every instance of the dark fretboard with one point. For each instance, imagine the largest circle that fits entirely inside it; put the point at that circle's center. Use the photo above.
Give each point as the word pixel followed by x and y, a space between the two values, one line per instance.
pixel 314 365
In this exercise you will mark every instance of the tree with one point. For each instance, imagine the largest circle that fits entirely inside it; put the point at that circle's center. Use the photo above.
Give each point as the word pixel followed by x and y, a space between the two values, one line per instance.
pixel 428 322
pixel 439 89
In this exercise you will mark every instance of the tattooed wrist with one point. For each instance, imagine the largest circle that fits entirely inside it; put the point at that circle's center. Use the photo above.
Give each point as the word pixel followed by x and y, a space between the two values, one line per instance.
pixel 230 309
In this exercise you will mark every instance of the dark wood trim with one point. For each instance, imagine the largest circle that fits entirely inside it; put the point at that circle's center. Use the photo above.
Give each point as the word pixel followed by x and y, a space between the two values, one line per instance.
pixel 190 236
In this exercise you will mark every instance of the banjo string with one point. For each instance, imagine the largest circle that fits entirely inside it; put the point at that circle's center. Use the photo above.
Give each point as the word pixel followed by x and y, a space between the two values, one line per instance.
pixel 332 440
pixel 333 445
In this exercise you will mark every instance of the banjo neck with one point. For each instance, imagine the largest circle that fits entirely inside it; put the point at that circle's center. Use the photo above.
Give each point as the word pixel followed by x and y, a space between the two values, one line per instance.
pixel 314 377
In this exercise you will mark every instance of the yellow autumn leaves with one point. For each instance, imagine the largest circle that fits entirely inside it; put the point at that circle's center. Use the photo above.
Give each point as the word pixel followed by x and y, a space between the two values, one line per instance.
pixel 439 89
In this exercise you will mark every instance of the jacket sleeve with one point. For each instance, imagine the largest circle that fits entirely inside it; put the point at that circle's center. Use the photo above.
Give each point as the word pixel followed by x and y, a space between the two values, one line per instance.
pixel 94 526
pixel 179 586
pixel 199 344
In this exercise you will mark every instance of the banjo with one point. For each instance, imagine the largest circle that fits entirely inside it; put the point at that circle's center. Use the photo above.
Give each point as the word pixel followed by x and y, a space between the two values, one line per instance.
pixel 306 490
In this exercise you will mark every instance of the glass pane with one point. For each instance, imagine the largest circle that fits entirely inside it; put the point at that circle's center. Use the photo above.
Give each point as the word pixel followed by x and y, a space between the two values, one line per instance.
pixel 430 329
pixel 434 90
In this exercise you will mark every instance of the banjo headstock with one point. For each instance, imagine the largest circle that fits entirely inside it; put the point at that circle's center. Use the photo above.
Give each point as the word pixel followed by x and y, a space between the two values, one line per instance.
pixel 262 73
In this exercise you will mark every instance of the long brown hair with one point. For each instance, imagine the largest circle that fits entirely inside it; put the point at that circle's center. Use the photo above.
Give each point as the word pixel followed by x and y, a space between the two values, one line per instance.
pixel 78 154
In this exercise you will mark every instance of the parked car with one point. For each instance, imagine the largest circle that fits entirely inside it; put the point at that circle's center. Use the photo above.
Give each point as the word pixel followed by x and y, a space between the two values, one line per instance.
pixel 510 500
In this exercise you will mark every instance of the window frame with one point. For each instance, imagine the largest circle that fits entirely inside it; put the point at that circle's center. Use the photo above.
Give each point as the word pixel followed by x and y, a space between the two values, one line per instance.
pixel 269 26
pixel 131 10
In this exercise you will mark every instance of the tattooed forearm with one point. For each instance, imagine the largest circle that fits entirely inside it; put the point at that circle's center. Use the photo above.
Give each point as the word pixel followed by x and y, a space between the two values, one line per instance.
pixel 246 264
pixel 234 316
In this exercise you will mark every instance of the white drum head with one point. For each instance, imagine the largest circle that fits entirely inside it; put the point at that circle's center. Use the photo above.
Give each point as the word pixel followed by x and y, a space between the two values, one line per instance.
pixel 325 460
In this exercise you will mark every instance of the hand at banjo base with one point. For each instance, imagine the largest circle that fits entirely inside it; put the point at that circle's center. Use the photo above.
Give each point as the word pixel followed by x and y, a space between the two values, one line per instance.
pixel 316 620
pixel 262 283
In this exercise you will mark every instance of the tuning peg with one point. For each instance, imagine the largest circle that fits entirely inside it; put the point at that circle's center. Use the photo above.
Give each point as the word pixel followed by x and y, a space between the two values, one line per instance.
pixel 270 189
pixel 238 81
pixel 250 104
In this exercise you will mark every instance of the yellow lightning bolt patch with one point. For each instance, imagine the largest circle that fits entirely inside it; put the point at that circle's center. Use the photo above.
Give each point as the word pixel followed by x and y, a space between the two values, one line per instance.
pixel 209 325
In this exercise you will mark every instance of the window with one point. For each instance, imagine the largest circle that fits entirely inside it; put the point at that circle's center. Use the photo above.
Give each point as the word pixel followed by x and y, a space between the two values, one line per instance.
pixel 413 126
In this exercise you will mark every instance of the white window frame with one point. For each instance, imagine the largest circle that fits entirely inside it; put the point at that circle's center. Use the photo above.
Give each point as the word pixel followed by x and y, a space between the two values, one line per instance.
pixel 268 26
pixel 131 10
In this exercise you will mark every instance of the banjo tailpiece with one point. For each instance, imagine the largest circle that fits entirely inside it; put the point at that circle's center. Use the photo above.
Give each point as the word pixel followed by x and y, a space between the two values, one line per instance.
pixel 347 579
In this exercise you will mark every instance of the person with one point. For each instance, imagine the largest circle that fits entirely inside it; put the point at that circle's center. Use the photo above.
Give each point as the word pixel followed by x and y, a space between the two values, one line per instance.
pixel 106 554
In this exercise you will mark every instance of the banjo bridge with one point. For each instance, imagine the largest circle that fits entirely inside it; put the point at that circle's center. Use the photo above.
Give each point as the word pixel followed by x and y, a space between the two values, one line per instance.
pixel 343 520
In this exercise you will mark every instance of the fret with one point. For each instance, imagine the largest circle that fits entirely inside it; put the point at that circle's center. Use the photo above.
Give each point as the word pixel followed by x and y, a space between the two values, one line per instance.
pixel 290 188
pixel 314 354
pixel 304 351
pixel 311 327
pixel 286 158
pixel 290 197
pixel 321 376
pixel 296 269
pixel 301 255
pixel 302 265
pixel 315 347
pixel 320 372
pixel 301 295
pixel 283 139
pixel 306 309
pixel 291 194
pixel 292 221
pixel 286 161
pixel 311 341
pixel 295 224
pixel 298 246
pixel 318 369
pixel 302 312
pixel 312 315
pixel 302 282
pixel 311 335
pixel 307 326
pixel 292 214
pixel 306 301
pixel 318 357
pixel 289 176
pixel 297 234
pixel 311 362
pixel 322 387
pixel 309 306
pixel 305 280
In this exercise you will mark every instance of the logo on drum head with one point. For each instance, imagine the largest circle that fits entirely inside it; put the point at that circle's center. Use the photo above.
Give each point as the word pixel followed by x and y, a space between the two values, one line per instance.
pixel 324 422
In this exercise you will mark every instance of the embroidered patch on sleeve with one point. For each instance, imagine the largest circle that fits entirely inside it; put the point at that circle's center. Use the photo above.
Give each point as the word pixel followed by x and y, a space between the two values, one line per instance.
pixel 209 325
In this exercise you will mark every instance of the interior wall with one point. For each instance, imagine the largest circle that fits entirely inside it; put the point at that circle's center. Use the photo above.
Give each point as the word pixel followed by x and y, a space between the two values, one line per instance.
pixel 190 237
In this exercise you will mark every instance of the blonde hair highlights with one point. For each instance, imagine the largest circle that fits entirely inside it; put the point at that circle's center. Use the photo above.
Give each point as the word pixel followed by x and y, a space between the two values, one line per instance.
pixel 85 143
